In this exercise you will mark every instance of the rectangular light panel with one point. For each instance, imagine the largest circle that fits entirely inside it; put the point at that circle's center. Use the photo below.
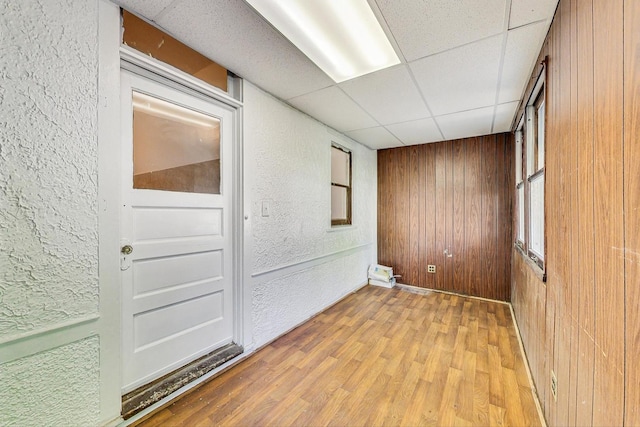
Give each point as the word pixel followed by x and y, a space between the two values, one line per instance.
pixel 342 37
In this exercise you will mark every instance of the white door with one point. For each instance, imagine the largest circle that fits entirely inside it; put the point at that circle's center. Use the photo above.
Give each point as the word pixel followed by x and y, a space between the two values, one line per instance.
pixel 176 256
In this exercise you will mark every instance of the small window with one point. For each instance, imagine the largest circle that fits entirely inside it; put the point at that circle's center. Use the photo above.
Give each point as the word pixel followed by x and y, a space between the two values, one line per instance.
pixel 536 121
pixel 530 148
pixel 340 186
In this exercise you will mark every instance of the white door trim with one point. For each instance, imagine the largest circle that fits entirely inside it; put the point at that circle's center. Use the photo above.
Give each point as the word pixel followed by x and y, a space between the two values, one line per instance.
pixel 152 69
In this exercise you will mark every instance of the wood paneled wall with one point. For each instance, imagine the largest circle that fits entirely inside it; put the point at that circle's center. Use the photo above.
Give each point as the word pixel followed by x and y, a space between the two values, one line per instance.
pixel 584 323
pixel 454 196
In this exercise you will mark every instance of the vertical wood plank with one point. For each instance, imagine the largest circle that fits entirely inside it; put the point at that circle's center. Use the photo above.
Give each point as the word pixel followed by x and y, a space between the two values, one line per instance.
pixel 562 154
pixel 424 197
pixel 506 181
pixel 430 237
pixel 609 215
pixel 412 272
pixel 632 207
pixel 473 206
pixel 459 194
pixel 401 214
pixel 383 205
pixel 552 177
pixel 575 223
pixel 586 241
pixel 442 216
pixel 449 217
pixel 490 238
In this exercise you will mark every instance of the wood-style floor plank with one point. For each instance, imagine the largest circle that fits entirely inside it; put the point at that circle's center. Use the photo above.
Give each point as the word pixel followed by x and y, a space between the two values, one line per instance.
pixel 379 357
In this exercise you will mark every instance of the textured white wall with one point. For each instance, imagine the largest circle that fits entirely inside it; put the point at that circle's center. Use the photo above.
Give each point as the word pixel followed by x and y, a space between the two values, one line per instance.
pixel 48 163
pixel 48 211
pixel 55 388
pixel 48 215
pixel 288 164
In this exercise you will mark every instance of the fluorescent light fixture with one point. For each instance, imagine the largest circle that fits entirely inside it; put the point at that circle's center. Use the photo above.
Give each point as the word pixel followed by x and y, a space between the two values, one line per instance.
pixel 343 37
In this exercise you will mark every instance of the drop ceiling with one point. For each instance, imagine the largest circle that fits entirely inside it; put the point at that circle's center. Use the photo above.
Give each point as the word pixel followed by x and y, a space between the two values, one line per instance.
pixel 464 64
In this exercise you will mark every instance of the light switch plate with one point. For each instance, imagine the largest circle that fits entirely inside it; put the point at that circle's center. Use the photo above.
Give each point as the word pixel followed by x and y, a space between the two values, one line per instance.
pixel 266 208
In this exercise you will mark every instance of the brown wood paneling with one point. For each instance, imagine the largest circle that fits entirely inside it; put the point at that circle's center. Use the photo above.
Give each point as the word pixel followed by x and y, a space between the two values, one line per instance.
pixel 490 238
pixel 574 223
pixel 384 203
pixel 592 199
pixel 632 207
pixel 417 183
pixel 401 204
pixel 506 174
pixel 428 159
pixel 584 212
pixel 152 41
pixel 609 214
pixel 561 181
pixel 473 220
pixel 442 218
pixel 457 248
pixel 454 196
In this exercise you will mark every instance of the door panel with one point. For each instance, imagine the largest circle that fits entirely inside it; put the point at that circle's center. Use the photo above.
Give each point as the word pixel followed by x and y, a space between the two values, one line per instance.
pixel 176 216
pixel 163 223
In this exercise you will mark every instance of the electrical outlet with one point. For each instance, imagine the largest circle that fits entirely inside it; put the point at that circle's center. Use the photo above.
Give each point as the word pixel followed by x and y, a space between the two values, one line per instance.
pixel 554 386
pixel 431 268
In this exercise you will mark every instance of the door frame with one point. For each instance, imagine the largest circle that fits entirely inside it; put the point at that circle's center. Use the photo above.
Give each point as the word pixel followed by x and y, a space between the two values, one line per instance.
pixel 149 68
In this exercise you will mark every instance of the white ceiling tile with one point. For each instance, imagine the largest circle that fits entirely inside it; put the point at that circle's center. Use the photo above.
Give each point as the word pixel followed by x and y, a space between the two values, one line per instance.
pixel 234 35
pixel 527 11
pixel 467 123
pixel 460 79
pixel 504 116
pixel 459 73
pixel 416 131
pixel 425 27
pixel 148 9
pixel 375 138
pixel 390 95
pixel 334 108
pixel 523 46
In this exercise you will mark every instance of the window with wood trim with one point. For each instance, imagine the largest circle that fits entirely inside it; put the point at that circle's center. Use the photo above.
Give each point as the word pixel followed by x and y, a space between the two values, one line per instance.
pixel 530 153
pixel 340 186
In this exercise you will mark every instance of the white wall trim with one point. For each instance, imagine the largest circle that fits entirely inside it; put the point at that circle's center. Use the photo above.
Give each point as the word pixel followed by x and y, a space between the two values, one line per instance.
pixel 109 195
pixel 32 342
pixel 307 263
pixel 132 56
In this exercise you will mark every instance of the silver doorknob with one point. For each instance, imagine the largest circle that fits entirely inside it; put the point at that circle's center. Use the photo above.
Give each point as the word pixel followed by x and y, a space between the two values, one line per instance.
pixel 126 249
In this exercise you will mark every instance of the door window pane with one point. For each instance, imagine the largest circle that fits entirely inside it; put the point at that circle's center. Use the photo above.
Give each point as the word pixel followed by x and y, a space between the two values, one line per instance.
pixel 174 148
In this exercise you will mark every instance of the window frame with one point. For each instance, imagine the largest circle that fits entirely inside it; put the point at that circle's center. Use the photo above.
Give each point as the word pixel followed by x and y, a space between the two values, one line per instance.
pixel 520 184
pixel 349 219
pixel 532 148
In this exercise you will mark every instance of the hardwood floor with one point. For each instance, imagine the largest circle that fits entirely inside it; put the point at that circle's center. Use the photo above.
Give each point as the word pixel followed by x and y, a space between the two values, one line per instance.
pixel 379 357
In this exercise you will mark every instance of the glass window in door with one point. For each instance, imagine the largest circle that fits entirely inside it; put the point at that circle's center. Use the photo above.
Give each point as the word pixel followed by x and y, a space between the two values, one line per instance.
pixel 174 148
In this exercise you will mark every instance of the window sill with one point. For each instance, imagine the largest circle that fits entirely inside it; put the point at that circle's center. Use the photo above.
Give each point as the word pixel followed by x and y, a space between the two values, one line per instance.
pixel 540 274
pixel 347 227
